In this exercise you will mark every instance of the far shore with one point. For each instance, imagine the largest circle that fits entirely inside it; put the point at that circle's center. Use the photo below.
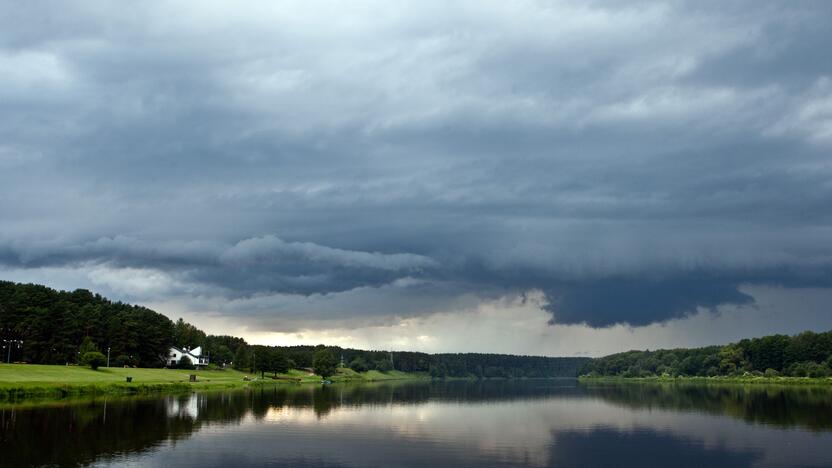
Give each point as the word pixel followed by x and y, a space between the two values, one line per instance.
pixel 742 380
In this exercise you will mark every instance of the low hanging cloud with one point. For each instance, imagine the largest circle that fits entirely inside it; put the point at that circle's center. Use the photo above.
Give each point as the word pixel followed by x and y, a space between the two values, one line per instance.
pixel 640 301
pixel 636 163
pixel 269 250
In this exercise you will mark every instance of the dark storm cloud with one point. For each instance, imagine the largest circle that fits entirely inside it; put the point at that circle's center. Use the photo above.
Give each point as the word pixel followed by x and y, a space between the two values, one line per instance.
pixel 638 301
pixel 634 161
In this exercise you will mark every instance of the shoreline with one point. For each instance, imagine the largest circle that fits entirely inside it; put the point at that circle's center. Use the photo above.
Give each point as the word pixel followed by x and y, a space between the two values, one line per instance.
pixel 20 382
pixel 750 380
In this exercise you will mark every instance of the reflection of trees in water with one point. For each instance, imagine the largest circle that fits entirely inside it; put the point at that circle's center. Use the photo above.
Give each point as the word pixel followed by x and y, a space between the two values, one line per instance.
pixel 781 406
pixel 77 433
pixel 323 399
pixel 80 433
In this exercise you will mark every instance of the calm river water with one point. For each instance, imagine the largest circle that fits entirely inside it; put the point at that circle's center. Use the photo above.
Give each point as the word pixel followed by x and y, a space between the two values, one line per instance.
pixel 476 424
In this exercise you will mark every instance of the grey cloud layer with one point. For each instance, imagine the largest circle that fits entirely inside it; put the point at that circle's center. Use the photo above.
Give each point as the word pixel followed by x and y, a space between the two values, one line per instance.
pixel 604 153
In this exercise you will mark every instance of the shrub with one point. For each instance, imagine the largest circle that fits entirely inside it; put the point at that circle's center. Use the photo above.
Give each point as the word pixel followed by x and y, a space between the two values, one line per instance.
pixel 814 369
pixel 185 363
pixel 771 373
pixel 94 359
pixel 808 369
pixel 87 346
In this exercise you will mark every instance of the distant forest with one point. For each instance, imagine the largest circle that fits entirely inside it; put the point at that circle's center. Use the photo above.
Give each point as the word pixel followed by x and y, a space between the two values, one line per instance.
pixel 808 354
pixel 45 326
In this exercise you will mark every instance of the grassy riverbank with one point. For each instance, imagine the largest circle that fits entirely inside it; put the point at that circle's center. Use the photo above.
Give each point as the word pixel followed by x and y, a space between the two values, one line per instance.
pixel 27 380
pixel 743 380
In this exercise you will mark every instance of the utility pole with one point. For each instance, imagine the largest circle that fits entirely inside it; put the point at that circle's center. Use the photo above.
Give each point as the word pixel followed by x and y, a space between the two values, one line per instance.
pixel 108 356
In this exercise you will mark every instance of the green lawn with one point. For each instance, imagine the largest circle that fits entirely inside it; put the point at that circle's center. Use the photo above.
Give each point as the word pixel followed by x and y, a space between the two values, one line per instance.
pixel 24 380
pixel 34 374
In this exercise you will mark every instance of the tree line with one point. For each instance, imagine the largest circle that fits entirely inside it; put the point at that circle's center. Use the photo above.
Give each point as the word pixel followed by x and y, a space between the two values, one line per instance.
pixel 475 365
pixel 45 326
pixel 807 354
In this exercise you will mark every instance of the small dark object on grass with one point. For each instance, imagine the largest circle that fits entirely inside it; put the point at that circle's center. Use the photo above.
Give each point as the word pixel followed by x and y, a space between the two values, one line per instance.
pixel 129 379
pixel 193 377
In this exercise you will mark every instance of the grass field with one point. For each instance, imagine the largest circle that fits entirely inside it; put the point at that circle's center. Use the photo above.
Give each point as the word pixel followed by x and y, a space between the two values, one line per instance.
pixel 40 374
pixel 25 380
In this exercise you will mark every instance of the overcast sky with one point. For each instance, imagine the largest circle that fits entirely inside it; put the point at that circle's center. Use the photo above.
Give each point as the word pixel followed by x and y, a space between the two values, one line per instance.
pixel 541 177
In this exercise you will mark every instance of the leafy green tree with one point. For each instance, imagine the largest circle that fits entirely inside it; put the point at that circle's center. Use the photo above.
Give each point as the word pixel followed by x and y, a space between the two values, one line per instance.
pixel 221 355
pixel 260 359
pixel 270 359
pixel 87 346
pixel 323 363
pixel 94 359
pixel 223 348
pixel 730 360
pixel 813 369
pixel 242 358
pixel 187 335
pixel 279 362
pixel 766 352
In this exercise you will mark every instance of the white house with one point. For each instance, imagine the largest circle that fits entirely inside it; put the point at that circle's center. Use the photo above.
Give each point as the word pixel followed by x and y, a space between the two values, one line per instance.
pixel 195 355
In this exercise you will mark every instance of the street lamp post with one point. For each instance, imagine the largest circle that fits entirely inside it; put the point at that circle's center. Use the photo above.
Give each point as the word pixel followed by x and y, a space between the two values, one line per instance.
pixel 9 343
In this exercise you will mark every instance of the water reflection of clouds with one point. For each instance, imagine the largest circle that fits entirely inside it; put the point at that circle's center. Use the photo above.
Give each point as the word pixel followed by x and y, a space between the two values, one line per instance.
pixel 440 424
pixel 541 432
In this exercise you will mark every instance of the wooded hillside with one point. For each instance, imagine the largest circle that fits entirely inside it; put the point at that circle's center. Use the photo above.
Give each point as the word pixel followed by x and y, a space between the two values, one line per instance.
pixel 52 325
